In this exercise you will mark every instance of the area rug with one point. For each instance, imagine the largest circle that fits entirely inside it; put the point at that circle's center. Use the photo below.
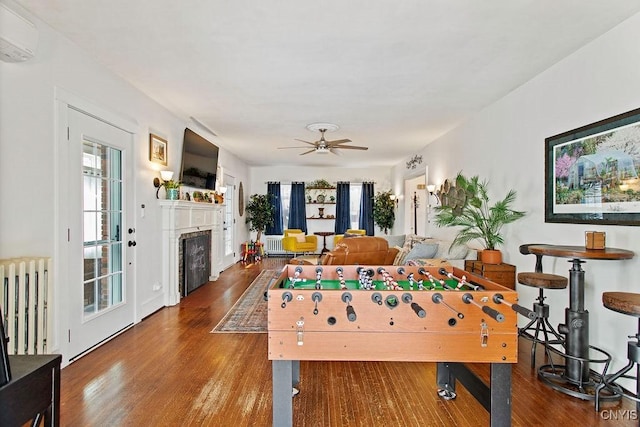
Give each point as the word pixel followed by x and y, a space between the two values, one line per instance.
pixel 249 313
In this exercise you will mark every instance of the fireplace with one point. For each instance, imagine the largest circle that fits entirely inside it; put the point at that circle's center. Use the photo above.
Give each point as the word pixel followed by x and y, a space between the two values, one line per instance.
pixel 180 220
pixel 195 261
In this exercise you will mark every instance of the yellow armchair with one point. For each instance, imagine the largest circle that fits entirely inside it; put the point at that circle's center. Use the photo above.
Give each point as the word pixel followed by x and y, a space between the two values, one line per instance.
pixel 339 237
pixel 296 241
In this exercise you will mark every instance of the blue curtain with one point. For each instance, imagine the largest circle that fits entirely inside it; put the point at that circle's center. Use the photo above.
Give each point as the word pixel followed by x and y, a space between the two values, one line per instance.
pixel 273 191
pixel 297 207
pixel 343 208
pixel 366 208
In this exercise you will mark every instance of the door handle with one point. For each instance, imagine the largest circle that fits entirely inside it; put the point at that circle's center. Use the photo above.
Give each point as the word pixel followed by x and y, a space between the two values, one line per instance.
pixel 131 243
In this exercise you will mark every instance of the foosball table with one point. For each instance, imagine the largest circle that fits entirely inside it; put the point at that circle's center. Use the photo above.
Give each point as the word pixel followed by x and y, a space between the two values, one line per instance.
pixel 391 313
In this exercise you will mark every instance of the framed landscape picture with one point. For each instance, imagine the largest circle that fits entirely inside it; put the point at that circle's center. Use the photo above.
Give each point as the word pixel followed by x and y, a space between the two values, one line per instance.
pixel 157 149
pixel 592 173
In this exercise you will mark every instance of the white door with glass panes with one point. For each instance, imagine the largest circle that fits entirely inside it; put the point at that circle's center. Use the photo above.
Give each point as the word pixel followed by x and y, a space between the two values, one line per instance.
pixel 101 234
pixel 228 228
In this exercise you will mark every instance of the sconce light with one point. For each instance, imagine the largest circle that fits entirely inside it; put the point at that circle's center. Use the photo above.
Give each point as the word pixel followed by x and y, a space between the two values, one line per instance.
pixel 395 198
pixel 165 176
pixel 222 190
pixel 431 188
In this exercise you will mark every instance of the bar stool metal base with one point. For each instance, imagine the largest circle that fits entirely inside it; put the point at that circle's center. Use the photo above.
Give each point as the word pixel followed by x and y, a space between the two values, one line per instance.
pixel 608 383
pixel 554 375
pixel 540 325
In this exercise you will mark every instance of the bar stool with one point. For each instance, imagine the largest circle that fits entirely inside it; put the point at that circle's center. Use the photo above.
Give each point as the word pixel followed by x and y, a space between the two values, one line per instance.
pixel 629 304
pixel 540 325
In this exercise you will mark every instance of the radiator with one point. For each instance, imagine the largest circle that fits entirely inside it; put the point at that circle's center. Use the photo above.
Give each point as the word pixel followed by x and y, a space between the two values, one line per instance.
pixel 26 301
pixel 273 245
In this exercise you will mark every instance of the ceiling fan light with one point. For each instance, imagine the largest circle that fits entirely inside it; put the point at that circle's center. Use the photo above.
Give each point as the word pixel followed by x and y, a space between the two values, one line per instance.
pixel 322 150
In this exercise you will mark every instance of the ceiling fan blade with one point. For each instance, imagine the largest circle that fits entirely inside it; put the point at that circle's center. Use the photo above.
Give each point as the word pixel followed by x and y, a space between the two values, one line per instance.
pixel 334 151
pixel 307 152
pixel 284 148
pixel 306 142
pixel 351 147
pixel 338 141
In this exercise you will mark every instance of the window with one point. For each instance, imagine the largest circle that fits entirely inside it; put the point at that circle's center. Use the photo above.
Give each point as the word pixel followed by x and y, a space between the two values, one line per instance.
pixel 355 192
pixel 285 194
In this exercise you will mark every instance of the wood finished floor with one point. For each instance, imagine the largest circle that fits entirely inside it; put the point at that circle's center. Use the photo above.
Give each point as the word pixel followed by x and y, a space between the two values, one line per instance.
pixel 169 370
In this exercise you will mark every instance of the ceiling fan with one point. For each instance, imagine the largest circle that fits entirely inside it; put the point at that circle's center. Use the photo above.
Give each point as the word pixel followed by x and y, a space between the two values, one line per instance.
pixel 322 146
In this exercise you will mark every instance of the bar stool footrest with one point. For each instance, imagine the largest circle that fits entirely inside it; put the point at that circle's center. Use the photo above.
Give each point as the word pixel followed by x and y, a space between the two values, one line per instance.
pixel 554 375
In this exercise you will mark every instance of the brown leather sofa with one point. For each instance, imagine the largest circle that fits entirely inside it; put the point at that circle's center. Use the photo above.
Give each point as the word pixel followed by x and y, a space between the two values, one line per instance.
pixel 366 250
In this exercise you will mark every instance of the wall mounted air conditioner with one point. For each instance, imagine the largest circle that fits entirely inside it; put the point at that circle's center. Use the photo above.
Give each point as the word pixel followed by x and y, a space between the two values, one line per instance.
pixel 18 37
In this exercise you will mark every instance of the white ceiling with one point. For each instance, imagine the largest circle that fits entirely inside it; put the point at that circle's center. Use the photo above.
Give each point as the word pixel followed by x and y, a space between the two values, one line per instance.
pixel 393 74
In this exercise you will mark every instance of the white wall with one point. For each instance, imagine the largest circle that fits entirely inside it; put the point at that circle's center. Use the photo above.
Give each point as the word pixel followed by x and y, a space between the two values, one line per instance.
pixel 505 144
pixel 28 157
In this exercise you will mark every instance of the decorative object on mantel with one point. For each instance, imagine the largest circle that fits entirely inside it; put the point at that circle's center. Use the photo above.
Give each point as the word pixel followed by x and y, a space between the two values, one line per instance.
pixel 157 149
pixel 198 196
pixel 171 187
pixel 414 162
pixel 466 204
pixel 384 210
pixel 241 199
pixel 259 213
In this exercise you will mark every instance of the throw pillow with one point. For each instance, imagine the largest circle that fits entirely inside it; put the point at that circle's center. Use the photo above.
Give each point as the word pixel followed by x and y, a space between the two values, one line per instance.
pixel 399 259
pixel 422 250
pixel 352 235
pixel 397 240
pixel 300 237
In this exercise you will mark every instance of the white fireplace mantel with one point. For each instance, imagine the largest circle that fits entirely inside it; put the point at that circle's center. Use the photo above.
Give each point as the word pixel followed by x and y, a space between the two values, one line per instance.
pixel 180 217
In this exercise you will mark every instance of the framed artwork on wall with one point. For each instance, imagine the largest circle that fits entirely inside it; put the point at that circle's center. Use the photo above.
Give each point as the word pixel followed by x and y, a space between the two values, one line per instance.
pixel 157 149
pixel 592 173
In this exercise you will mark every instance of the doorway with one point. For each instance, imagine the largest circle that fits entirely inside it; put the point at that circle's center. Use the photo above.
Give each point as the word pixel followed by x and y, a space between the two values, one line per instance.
pixel 416 204
pixel 229 224
pixel 97 278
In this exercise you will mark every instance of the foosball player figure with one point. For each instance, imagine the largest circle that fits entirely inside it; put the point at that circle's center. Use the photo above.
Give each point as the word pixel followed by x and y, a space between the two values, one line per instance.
pixel 411 281
pixel 390 284
pixel 319 278
pixel 365 278
pixel 341 278
pixel 296 277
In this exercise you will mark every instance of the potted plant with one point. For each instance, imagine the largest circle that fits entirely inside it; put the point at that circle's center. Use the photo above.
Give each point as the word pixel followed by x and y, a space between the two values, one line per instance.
pixel 172 188
pixel 320 183
pixel 259 213
pixel 466 204
pixel 384 211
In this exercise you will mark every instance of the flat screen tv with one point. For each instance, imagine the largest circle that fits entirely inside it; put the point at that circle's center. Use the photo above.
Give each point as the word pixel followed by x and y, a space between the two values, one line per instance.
pixel 199 161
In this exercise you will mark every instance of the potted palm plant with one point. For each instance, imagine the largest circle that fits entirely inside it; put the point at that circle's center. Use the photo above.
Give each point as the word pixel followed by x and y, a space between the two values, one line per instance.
pixel 466 204
pixel 259 213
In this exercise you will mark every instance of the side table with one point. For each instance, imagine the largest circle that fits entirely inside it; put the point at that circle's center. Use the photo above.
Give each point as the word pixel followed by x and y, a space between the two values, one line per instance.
pixel 324 235
pixel 503 274
pixel 33 392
